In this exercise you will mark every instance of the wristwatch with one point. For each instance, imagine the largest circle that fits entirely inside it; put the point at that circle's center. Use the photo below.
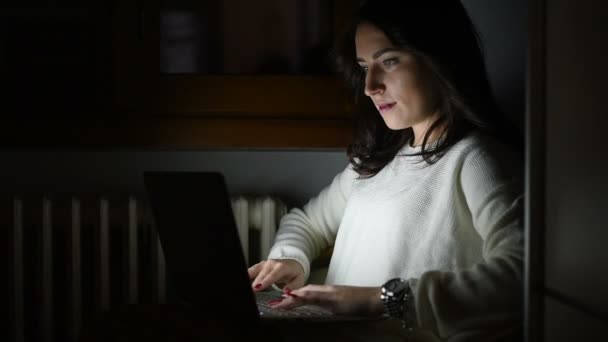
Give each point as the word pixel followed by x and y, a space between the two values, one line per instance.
pixel 397 298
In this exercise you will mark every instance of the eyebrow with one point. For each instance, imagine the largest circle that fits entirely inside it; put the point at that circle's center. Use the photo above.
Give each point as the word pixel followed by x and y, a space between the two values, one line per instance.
pixel 380 53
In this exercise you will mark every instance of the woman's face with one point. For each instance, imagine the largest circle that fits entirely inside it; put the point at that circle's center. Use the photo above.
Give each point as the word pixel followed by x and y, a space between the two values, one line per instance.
pixel 399 86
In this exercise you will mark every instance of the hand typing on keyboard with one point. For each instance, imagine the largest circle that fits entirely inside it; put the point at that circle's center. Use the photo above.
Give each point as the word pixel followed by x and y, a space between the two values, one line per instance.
pixel 346 300
pixel 289 274
pixel 286 272
pixel 266 299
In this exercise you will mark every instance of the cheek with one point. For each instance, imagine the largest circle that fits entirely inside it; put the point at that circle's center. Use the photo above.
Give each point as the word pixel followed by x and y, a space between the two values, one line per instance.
pixel 427 90
pixel 416 96
pixel 409 96
pixel 431 95
pixel 405 85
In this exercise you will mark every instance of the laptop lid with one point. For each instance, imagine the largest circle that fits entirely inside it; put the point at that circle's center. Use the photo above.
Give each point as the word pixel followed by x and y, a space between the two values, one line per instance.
pixel 198 234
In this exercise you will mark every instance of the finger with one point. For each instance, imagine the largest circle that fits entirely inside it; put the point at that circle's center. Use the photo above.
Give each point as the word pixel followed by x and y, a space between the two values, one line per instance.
pixel 321 295
pixel 312 288
pixel 257 282
pixel 274 276
pixel 255 270
pixel 288 303
pixel 294 283
pixel 288 292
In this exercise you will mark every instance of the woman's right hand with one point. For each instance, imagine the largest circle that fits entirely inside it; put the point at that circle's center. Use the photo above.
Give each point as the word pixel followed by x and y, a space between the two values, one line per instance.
pixel 284 273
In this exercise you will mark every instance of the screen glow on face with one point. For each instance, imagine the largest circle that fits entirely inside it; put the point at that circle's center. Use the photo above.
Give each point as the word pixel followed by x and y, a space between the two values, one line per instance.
pixel 400 87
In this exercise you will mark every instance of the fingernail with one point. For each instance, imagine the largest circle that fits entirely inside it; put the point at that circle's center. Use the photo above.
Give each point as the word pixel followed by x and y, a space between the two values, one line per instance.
pixel 257 287
pixel 287 291
pixel 275 301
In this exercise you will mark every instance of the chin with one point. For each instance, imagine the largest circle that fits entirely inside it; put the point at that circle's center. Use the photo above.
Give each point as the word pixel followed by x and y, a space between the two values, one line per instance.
pixel 395 121
pixel 396 126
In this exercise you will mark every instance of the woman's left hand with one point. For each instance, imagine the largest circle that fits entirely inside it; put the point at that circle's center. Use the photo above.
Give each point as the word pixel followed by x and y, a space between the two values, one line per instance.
pixel 342 300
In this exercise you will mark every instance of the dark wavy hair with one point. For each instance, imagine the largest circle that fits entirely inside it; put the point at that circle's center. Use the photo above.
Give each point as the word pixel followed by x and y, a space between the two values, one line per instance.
pixel 443 39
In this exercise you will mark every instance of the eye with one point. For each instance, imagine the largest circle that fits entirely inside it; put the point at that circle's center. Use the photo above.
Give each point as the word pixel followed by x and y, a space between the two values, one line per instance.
pixel 363 68
pixel 390 61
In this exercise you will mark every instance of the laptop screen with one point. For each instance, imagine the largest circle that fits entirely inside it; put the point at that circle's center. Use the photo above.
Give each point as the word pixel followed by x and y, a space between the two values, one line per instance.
pixel 198 234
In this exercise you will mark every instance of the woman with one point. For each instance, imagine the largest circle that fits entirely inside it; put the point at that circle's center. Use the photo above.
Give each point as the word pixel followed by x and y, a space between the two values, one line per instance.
pixel 429 208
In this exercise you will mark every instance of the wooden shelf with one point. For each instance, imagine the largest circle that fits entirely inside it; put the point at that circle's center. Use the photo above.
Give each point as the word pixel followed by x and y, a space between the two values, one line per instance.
pixel 178 133
pixel 117 97
pixel 322 97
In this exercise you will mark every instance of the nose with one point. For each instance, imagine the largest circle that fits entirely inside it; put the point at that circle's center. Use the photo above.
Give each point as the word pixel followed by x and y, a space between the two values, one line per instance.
pixel 374 82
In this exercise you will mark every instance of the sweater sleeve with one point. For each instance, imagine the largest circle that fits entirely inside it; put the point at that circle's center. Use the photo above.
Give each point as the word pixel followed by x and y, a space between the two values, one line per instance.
pixel 304 233
pixel 488 297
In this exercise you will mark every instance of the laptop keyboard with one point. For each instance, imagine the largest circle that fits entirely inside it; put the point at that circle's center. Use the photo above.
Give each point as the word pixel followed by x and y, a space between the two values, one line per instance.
pixel 305 311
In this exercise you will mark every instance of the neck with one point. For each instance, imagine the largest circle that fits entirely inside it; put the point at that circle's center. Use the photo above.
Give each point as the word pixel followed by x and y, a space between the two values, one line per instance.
pixel 420 133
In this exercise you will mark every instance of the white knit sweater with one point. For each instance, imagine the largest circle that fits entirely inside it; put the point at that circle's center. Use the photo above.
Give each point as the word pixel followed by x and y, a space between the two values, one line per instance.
pixel 454 229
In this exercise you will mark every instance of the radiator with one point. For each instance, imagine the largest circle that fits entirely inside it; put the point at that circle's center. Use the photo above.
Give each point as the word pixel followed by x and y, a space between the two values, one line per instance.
pixel 70 257
pixel 260 215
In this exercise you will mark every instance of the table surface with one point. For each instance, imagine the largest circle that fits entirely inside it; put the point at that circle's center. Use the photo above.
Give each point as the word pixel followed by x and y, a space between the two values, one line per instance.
pixel 152 323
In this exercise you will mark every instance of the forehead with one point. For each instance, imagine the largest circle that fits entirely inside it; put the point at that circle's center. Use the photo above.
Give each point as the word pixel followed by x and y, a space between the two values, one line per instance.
pixel 369 39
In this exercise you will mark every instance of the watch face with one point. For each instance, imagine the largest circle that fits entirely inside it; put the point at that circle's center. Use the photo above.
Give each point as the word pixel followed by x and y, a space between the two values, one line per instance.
pixel 395 285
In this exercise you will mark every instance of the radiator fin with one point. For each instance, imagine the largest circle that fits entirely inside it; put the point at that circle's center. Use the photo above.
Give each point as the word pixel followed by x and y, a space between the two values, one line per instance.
pixel 260 214
pixel 75 271
pixel 46 308
pixel 17 295
pixel 71 256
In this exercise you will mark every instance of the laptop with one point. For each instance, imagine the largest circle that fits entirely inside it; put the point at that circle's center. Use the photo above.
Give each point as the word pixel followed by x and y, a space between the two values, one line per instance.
pixel 205 262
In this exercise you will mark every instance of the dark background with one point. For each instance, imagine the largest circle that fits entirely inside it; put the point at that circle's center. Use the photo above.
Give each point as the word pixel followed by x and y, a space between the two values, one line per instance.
pixel 551 85
pixel 56 71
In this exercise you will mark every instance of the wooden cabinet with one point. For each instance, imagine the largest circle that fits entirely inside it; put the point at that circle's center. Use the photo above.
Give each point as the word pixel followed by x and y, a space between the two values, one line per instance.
pixel 100 85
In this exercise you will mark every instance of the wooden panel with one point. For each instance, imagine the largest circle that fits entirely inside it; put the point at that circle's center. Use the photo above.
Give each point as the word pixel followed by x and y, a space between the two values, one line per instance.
pixel 135 56
pixel 177 133
pixel 259 96
pixel 121 79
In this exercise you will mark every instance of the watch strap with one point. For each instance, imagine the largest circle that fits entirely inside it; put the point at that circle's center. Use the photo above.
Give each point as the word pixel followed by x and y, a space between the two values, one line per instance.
pixel 400 305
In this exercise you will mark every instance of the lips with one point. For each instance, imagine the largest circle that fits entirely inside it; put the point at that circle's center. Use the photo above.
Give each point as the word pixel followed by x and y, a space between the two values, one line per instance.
pixel 384 107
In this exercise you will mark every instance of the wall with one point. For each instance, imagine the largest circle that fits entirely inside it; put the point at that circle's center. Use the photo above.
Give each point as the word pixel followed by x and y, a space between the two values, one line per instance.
pixel 294 176
pixel 502 25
